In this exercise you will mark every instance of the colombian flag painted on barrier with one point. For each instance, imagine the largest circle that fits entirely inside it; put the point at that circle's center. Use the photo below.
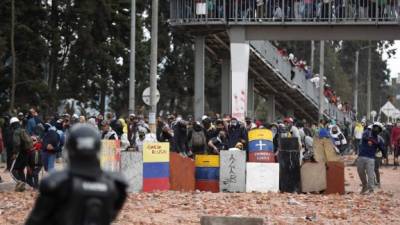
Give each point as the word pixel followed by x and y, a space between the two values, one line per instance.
pixel 207 172
pixel 155 166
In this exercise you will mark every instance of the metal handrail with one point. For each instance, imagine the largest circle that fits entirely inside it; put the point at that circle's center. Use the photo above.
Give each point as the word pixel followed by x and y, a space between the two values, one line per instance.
pixel 285 11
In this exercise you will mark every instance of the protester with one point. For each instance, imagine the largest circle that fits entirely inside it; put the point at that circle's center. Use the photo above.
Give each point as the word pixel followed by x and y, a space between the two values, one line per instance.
pixel 219 143
pixel 180 138
pixel 140 139
pixel 197 139
pixel 51 145
pixel 339 140
pixel 107 132
pixel 249 124
pixel 21 143
pixel 237 134
pixel 34 164
pixel 395 142
pixel 370 143
pixel 358 131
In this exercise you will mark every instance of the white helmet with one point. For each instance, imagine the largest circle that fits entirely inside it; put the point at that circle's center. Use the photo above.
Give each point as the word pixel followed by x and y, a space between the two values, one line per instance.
pixel 378 124
pixel 14 120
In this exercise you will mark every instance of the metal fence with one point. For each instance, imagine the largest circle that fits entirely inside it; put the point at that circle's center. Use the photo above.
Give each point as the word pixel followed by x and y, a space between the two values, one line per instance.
pixel 273 11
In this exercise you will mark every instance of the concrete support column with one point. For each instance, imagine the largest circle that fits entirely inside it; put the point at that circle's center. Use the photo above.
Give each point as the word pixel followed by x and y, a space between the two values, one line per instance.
pixel 199 77
pixel 250 98
pixel 271 108
pixel 240 52
pixel 226 91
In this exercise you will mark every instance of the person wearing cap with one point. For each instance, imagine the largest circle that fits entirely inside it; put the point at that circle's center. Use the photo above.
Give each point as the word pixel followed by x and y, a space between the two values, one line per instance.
pixel 249 124
pixel 20 147
pixel 371 142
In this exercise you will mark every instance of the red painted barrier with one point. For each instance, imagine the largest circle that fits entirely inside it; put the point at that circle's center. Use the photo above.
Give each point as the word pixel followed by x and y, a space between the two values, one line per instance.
pixel 335 178
pixel 182 172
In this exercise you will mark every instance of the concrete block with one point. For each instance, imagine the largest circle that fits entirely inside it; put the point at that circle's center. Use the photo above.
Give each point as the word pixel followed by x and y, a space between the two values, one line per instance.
pixel 313 177
pixel 232 171
pixel 262 177
pixel 132 169
pixel 220 220
pixel 182 173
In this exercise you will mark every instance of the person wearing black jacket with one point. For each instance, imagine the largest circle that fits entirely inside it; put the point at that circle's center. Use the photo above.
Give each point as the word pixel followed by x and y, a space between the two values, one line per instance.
pixel 180 139
pixel 51 140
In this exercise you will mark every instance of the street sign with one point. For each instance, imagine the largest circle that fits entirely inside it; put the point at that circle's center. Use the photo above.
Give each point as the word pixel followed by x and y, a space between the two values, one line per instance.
pixel 146 96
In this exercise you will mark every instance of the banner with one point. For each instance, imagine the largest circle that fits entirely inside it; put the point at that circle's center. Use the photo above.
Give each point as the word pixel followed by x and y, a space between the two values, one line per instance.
pixel 110 155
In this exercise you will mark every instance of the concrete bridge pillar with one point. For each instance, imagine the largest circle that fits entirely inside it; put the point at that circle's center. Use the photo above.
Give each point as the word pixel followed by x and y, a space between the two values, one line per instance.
pixel 240 52
pixel 226 91
pixel 199 77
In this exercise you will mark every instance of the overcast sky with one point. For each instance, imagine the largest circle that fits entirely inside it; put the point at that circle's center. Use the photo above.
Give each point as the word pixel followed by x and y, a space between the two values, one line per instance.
pixel 394 62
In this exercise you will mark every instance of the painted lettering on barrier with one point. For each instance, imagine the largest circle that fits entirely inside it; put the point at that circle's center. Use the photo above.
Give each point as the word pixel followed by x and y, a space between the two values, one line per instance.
pixel 156 152
pixel 232 171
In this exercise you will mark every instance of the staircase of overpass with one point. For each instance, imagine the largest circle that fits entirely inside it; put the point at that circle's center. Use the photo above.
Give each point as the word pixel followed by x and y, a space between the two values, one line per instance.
pixel 227 24
pixel 271 73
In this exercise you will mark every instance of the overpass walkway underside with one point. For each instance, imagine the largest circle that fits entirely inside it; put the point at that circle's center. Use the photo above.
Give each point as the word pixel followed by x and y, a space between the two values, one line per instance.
pixel 268 80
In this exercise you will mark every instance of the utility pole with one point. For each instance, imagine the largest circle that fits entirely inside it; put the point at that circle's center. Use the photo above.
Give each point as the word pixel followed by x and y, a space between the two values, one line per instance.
pixel 356 84
pixel 153 66
pixel 312 56
pixel 13 55
pixel 321 80
pixel 369 83
pixel 132 78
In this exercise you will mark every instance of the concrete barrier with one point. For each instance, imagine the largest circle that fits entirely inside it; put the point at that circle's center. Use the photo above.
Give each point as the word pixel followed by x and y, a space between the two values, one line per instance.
pixel 132 169
pixel 232 171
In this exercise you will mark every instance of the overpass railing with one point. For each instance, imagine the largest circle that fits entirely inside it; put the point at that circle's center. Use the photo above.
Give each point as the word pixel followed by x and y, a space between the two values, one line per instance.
pixel 282 67
pixel 285 11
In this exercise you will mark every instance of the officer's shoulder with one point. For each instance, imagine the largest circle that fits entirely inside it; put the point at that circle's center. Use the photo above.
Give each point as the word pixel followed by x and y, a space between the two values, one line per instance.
pixel 54 181
pixel 116 177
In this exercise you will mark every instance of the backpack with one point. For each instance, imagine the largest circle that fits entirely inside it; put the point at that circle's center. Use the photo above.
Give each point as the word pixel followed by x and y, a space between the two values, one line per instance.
pixel 26 140
pixel 198 138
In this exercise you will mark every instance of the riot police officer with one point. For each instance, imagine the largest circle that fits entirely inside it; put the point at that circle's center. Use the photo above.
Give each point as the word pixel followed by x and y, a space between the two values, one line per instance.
pixel 82 194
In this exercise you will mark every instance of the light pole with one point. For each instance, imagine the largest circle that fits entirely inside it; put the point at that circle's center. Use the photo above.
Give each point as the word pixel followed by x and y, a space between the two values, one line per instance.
pixel 356 72
pixel 321 80
pixel 369 83
pixel 132 78
pixel 153 66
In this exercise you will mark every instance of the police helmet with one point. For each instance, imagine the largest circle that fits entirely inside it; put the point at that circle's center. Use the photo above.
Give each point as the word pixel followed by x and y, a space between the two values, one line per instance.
pixel 83 141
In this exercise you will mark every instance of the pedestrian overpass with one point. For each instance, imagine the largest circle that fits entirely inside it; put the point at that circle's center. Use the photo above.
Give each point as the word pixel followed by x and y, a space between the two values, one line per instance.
pixel 238 32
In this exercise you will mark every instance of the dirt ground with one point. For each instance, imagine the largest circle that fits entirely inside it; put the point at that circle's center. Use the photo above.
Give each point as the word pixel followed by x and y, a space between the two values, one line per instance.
pixel 167 208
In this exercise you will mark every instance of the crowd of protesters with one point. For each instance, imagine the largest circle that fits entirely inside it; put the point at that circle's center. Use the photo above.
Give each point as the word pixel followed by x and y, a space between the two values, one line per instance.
pixel 32 143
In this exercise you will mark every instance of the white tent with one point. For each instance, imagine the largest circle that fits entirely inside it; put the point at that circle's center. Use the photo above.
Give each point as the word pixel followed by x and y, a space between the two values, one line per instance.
pixel 390 110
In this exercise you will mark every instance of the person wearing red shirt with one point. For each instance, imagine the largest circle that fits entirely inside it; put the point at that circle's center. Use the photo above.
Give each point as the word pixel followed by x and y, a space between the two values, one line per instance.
pixel 395 141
